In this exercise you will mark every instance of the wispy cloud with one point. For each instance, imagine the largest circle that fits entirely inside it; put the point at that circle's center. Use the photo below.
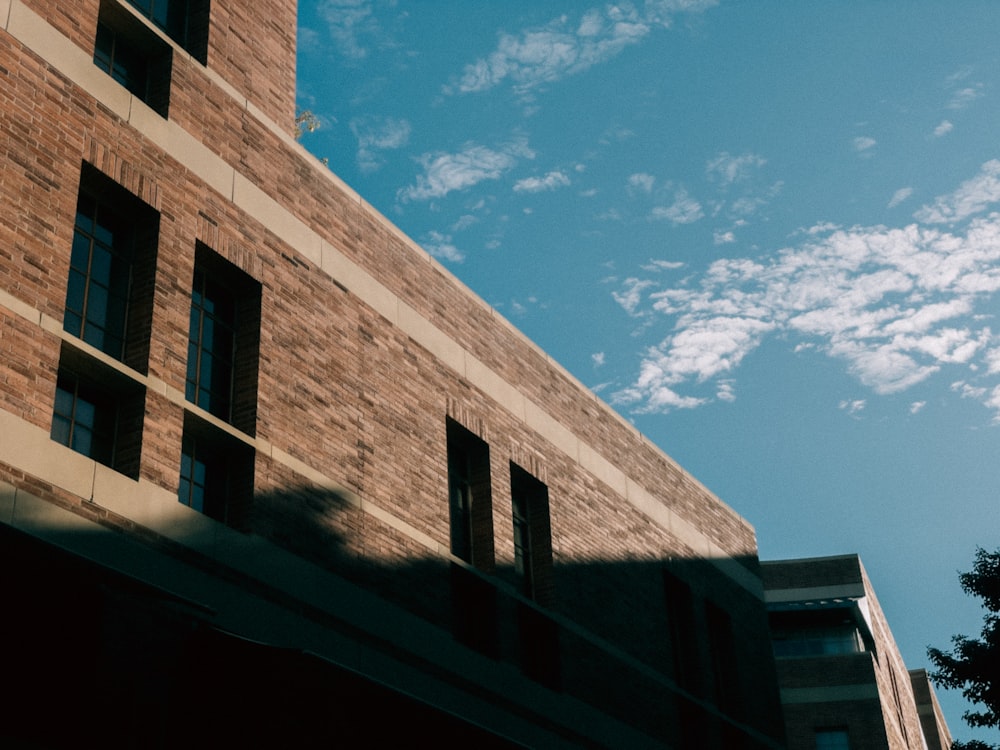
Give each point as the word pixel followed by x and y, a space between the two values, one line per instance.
pixel 853 407
pixel 899 196
pixel 895 305
pixel 440 246
pixel 446 172
pixel 727 169
pixel 683 210
pixel 348 21
pixel 943 128
pixel 972 197
pixel 863 144
pixel 551 181
pixel 917 406
pixel 642 182
pixel 963 97
pixel 567 45
pixel 377 134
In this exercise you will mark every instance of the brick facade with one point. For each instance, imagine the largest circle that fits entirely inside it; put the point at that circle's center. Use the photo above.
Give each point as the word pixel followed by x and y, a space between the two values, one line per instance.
pixel 364 348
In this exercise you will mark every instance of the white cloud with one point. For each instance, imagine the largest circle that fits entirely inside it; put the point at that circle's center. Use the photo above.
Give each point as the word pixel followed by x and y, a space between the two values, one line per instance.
pixel 440 246
pixel 444 172
pixel 972 197
pixel 895 305
pixel 641 181
pixel 899 196
pixel 917 406
pixel 965 96
pixel 724 238
pixel 853 407
pixel 376 134
pixel 566 46
pixel 684 209
pixel 348 21
pixel 727 169
pixel 551 181
pixel 597 358
pixel 943 129
pixel 863 143
pixel 662 265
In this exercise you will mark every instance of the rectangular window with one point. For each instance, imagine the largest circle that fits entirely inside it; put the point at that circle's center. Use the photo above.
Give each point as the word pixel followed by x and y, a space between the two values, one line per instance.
pixel 470 498
pixel 470 501
pixel 532 534
pixel 683 631
pixel 112 262
pixel 98 412
pixel 184 21
pixel 724 666
pixel 223 341
pixel 134 56
pixel 216 475
pixel 832 739
pixel 822 632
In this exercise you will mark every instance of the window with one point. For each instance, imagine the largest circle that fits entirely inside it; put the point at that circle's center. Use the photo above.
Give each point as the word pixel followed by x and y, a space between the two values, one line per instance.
pixel 532 534
pixel 98 412
pixel 223 341
pixel 538 635
pixel 470 498
pixel 474 607
pixel 134 56
pixel 832 739
pixel 724 665
pixel 184 21
pixel 683 632
pixel 112 262
pixel 216 472
pixel 829 632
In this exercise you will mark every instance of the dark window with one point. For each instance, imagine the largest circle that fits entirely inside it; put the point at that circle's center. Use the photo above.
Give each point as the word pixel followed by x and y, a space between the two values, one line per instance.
pixel 470 498
pixel 724 666
pixel 112 260
pixel 223 341
pixel 134 56
pixel 474 605
pixel 98 412
pixel 821 632
pixel 216 472
pixel 532 534
pixel 832 739
pixel 683 631
pixel 184 21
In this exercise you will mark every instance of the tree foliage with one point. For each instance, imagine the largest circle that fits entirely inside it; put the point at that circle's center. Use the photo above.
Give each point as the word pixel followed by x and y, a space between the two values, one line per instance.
pixel 973 665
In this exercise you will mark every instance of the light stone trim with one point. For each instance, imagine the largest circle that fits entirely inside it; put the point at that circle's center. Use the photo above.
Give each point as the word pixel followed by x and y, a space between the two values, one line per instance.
pixel 44 41
pixel 815 593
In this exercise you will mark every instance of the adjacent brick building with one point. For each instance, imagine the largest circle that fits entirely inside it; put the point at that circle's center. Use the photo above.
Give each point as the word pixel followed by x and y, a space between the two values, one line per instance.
pixel 268 471
pixel 842 678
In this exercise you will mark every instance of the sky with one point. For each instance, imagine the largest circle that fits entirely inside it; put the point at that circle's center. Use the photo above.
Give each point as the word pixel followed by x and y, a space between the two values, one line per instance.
pixel 767 233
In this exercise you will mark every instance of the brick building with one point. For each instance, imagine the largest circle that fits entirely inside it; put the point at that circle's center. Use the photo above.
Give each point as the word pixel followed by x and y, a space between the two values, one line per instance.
pixel 843 682
pixel 267 470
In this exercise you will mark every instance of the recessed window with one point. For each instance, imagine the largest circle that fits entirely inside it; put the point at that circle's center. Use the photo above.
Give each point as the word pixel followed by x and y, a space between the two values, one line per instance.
pixel 98 413
pixel 832 739
pixel 683 631
pixel 802 634
pixel 112 261
pixel 725 671
pixel 470 497
pixel 474 607
pixel 223 341
pixel 134 56
pixel 216 475
pixel 532 533
pixel 184 21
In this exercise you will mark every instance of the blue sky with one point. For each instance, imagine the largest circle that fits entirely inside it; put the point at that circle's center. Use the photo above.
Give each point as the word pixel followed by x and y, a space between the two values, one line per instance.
pixel 768 233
